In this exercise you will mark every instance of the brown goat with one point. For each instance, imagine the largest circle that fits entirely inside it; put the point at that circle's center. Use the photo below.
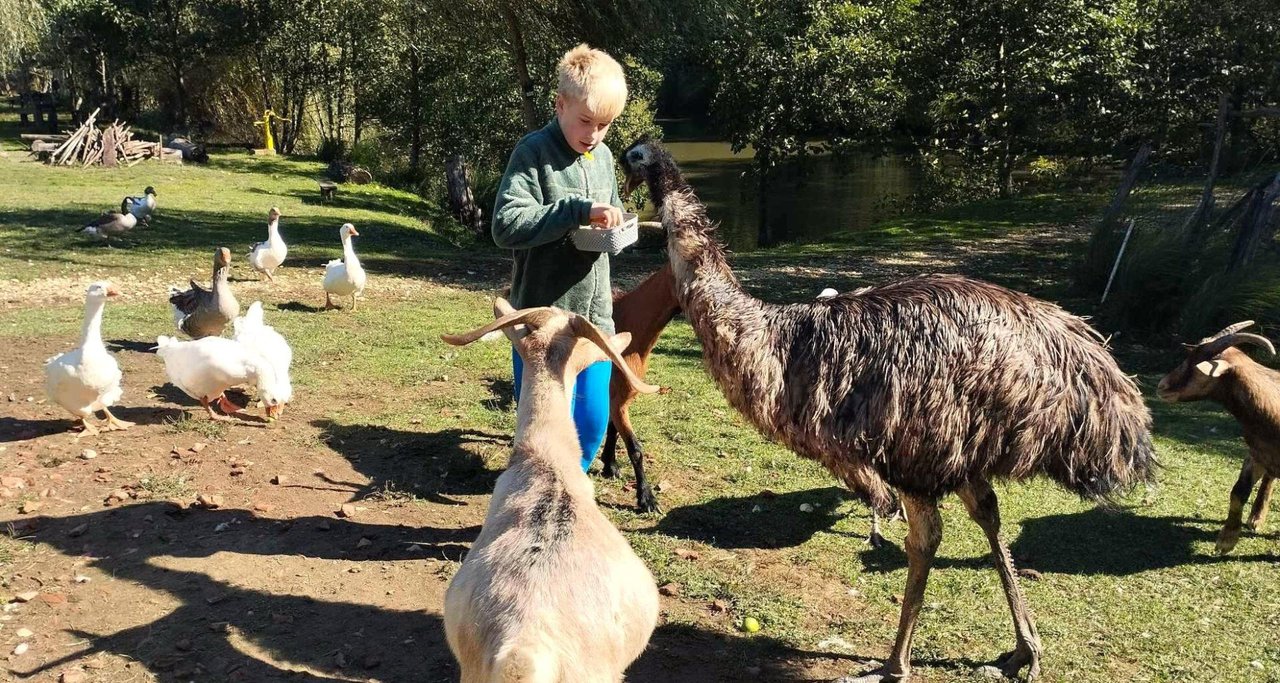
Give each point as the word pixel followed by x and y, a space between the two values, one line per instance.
pixel 644 312
pixel 926 386
pixel 550 591
pixel 1215 370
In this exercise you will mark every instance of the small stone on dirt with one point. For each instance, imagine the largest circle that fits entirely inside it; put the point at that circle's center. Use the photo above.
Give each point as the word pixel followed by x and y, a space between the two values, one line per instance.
pixel 211 501
pixel 88 454
pixel 685 554
pixel 805 507
pixel 414 548
pixel 364 543
pixel 25 633
pixel 73 676
pixel 81 578
pixel 30 507
pixel 21 649
pixel 662 486
pixel 263 507
pixel 26 596
pixel 117 496
pixel 347 510
pixel 53 598
pixel 13 482
pixel 196 448
pixel 671 590
pixel 222 527
pixel 279 480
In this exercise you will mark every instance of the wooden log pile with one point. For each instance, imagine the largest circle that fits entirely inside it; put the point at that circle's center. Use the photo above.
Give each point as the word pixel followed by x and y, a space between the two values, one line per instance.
pixel 88 145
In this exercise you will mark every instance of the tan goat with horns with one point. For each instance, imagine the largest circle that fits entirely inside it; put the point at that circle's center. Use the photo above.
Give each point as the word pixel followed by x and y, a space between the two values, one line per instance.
pixel 550 592
pixel 1216 370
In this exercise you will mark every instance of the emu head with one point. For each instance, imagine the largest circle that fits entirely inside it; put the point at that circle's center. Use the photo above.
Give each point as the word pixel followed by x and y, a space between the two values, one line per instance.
pixel 565 343
pixel 1208 362
pixel 644 162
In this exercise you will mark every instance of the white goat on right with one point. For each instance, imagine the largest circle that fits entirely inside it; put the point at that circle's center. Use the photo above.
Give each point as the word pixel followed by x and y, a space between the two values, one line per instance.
pixel 550 592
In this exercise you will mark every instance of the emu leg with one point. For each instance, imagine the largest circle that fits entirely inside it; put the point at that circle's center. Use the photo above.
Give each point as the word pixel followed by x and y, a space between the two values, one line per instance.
pixel 980 499
pixel 114 423
pixel 609 454
pixel 1258 515
pixel 922 544
pixel 1230 534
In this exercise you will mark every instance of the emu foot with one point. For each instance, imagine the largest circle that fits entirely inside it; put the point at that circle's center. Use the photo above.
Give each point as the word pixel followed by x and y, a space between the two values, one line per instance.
pixel 1227 540
pixel 1011 664
pixel 889 673
pixel 645 500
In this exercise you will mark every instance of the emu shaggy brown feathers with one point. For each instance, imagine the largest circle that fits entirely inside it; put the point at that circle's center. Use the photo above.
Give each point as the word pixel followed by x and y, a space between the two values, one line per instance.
pixel 930 385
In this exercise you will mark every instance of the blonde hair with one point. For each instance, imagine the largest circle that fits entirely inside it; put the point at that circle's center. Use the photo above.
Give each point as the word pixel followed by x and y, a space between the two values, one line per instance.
pixel 593 77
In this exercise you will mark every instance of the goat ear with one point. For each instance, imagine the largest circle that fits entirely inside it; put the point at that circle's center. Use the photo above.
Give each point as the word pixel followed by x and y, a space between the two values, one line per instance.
pixel 620 341
pixel 534 316
pixel 582 327
pixel 1213 368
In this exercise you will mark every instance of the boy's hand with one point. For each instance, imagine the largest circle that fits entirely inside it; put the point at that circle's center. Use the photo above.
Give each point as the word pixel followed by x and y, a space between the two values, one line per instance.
pixel 605 216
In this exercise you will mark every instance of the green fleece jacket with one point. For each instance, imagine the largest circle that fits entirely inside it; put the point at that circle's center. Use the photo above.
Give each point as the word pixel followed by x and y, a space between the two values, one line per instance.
pixel 546 192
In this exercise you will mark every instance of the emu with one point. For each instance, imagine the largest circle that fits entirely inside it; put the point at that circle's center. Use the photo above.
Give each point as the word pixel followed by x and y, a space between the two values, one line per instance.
pixel 928 386
pixel 1216 370
pixel 550 592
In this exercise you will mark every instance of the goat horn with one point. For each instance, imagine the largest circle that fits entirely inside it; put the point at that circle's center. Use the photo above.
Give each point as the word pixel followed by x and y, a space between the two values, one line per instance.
pixel 1228 330
pixel 509 320
pixel 583 328
pixel 1217 346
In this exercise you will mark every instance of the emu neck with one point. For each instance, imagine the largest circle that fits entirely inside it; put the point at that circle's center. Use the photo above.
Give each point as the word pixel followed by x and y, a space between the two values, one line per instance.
pixel 91 332
pixel 544 426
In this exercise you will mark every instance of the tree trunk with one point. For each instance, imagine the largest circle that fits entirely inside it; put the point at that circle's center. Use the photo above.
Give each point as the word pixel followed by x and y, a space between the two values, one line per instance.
pixel 1112 214
pixel 1255 225
pixel 1199 218
pixel 764 236
pixel 462 203
pixel 520 60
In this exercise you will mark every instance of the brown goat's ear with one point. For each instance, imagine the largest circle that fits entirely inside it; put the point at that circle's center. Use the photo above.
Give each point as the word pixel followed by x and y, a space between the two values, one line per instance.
pixel 1213 368
pixel 620 341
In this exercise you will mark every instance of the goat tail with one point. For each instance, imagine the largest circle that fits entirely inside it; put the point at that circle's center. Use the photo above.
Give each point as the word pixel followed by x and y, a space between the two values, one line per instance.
pixel 525 664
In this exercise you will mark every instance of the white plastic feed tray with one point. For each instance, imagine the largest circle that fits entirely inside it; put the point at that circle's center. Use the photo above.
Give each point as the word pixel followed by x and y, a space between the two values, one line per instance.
pixel 613 240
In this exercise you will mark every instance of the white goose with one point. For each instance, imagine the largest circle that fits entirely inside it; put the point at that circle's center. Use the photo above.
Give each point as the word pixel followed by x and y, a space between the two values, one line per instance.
pixel 265 257
pixel 204 368
pixel 252 331
pixel 87 379
pixel 345 277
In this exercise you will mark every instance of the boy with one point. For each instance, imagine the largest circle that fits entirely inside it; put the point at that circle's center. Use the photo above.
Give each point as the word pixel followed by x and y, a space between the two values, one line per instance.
pixel 561 177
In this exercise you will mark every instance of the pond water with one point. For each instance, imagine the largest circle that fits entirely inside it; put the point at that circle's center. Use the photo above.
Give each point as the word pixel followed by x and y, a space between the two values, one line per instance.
pixel 807 200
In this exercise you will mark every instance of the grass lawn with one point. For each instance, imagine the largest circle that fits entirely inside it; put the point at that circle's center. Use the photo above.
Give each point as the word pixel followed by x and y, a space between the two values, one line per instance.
pixel 272 585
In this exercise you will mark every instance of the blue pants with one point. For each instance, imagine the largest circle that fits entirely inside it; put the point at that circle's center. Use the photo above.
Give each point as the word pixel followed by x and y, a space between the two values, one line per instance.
pixel 589 404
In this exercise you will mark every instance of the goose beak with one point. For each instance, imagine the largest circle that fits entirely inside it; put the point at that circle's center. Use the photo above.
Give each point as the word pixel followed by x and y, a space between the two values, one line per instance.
pixel 354 233
pixel 275 411
pixel 112 291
